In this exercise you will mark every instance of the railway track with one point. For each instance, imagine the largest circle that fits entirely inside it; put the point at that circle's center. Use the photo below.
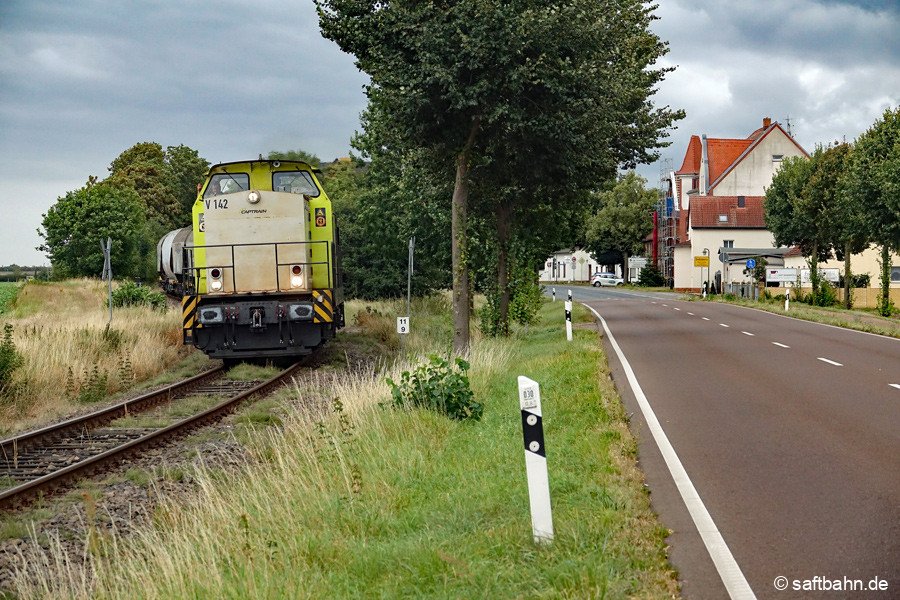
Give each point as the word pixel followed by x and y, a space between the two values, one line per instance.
pixel 43 461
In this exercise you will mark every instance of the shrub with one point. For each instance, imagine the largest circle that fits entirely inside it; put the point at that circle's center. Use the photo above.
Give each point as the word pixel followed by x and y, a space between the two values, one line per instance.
pixel 131 294
pixel 10 359
pixel 438 387
pixel 651 277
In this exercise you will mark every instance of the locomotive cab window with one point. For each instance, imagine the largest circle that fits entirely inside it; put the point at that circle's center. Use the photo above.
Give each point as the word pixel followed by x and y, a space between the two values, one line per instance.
pixel 227 183
pixel 295 182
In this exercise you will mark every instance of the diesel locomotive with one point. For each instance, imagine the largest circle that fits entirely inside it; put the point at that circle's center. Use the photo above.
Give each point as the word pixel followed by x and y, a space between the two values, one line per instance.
pixel 259 270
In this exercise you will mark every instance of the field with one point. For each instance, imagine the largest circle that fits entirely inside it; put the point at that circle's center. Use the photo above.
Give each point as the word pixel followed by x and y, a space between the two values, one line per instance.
pixel 372 501
pixel 8 291
pixel 71 358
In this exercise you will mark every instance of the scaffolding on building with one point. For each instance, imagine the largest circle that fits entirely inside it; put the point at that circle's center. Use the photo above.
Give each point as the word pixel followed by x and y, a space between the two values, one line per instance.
pixel 666 219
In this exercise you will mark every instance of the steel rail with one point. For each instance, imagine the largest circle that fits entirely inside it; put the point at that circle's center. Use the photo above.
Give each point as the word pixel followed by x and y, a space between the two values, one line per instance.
pixel 25 492
pixel 10 446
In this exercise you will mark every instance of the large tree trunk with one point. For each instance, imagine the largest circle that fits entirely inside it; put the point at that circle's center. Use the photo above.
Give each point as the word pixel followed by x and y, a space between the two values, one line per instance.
pixel 625 267
pixel 504 232
pixel 459 246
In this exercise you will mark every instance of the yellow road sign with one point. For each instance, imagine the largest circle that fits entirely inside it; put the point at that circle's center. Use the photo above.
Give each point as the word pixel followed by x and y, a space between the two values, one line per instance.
pixel 701 261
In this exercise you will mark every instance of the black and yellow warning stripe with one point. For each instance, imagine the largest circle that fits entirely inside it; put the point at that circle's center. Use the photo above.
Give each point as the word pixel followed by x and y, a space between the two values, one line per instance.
pixel 323 306
pixel 189 317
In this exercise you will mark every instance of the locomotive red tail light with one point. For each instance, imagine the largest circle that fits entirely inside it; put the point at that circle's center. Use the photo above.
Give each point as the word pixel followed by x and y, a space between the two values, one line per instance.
pixel 215 279
pixel 296 276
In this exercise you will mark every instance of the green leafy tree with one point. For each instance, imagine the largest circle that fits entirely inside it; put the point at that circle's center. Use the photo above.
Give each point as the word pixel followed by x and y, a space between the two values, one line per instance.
pixel 528 90
pixel 800 212
pixel 166 181
pixel 143 168
pixel 872 183
pixel 625 218
pixel 73 228
pixel 298 155
pixel 185 170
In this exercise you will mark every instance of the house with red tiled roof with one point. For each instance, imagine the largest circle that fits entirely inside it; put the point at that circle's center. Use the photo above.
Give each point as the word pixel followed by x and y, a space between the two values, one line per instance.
pixel 718 202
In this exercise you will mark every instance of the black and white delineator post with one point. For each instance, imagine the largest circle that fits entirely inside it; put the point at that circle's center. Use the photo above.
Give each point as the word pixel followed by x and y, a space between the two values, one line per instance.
pixel 554 294
pixel 569 317
pixel 536 460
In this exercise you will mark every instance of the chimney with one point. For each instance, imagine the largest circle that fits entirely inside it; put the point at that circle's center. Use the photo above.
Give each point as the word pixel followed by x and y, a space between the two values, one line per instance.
pixel 704 166
pixel 767 122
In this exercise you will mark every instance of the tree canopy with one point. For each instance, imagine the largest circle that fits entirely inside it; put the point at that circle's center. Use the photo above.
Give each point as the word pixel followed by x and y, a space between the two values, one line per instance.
pixel 527 101
pixel 165 180
pixel 624 219
pixel 75 225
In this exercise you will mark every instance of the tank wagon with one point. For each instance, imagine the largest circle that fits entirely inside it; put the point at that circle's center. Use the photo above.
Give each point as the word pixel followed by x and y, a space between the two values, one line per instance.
pixel 259 270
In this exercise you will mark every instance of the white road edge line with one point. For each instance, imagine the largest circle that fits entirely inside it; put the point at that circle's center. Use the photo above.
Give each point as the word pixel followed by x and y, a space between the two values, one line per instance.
pixel 830 362
pixel 780 345
pixel 895 385
pixel 729 571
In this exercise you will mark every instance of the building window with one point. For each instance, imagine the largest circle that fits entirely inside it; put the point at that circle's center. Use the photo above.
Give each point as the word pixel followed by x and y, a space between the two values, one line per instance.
pixel 723 218
pixel 777 157
pixel 895 274
pixel 728 243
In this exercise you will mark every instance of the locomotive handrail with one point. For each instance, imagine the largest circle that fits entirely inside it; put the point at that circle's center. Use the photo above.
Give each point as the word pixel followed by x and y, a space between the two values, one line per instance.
pixel 194 272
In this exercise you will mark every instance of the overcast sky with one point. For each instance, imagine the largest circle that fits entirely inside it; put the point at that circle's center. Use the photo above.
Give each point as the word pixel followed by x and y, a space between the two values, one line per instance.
pixel 83 80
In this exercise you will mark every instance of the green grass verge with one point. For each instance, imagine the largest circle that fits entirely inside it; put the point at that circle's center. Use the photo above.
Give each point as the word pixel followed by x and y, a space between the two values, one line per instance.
pixel 371 502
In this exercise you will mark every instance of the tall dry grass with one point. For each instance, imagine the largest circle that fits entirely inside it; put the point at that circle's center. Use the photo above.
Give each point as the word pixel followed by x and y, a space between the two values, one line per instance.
pixel 70 356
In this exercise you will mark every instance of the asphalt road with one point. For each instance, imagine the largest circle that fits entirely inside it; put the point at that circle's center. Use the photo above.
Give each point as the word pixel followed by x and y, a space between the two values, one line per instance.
pixel 788 431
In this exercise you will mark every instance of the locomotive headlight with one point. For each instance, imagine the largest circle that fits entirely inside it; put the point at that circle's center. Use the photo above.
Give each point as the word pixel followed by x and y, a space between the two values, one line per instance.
pixel 296 276
pixel 253 197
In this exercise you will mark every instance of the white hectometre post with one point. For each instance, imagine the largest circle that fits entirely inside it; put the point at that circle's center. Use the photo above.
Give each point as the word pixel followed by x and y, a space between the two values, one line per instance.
pixel 535 460
pixel 569 319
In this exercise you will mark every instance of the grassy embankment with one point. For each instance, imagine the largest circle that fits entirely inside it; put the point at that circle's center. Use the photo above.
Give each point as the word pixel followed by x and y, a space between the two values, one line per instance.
pixel 367 501
pixel 70 359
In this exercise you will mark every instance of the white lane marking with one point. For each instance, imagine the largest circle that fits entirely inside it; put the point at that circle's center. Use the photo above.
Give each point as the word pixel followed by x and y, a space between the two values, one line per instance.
pixel 706 318
pixel 690 313
pixel 748 333
pixel 780 345
pixel 677 309
pixel 724 325
pixel 830 362
pixel 729 571
pixel 895 385
pixel 665 305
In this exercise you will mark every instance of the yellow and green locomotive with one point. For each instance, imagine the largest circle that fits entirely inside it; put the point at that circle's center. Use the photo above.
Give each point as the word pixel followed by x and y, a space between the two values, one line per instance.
pixel 260 271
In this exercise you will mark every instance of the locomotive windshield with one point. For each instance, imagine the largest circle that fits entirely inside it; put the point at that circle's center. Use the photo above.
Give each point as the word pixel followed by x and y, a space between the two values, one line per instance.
pixel 294 182
pixel 227 183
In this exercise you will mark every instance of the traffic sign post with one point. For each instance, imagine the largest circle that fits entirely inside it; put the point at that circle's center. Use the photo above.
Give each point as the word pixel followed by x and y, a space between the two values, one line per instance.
pixel 536 460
